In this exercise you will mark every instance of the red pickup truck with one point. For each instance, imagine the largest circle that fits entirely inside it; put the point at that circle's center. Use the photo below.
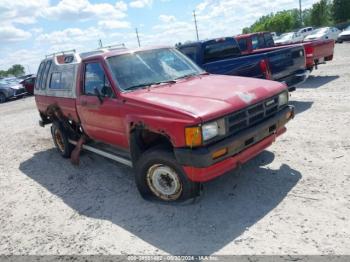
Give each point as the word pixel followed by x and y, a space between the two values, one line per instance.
pixel 155 110
pixel 317 52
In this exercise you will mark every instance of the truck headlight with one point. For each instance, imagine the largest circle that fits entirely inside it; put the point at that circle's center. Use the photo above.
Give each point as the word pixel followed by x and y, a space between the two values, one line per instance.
pixel 213 129
pixel 195 136
pixel 210 130
pixel 283 99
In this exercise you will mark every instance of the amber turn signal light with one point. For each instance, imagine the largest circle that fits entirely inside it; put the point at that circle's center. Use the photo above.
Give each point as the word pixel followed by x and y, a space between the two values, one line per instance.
pixel 193 136
pixel 219 153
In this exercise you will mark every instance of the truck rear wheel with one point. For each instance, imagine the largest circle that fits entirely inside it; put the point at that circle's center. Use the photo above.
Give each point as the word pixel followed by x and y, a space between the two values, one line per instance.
pixel 159 176
pixel 60 138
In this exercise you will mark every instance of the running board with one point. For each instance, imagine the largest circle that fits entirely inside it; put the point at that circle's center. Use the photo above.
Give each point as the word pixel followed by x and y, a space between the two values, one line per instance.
pixel 105 154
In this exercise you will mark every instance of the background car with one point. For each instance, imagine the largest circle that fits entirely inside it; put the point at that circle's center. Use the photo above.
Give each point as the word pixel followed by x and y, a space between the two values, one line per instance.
pixel 344 36
pixel 304 32
pixel 28 84
pixel 289 38
pixel 324 33
pixel 10 88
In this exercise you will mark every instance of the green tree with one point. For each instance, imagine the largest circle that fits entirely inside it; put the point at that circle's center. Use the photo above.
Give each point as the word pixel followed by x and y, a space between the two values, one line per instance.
pixel 246 30
pixel 341 10
pixel 320 13
pixel 16 70
pixel 306 13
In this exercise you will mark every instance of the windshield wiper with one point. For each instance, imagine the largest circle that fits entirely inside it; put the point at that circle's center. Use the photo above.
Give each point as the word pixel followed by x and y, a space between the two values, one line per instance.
pixel 150 84
pixel 186 76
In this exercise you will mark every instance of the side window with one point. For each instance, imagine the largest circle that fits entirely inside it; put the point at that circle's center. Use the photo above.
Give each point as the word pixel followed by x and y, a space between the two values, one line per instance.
pixel 55 82
pixel 40 72
pixel 255 42
pixel 242 44
pixel 261 41
pixel 95 78
pixel 45 76
pixel 191 52
pixel 62 80
pixel 268 40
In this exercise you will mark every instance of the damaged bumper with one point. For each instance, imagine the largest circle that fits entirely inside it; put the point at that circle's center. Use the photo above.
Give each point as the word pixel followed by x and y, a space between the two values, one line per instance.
pixel 201 165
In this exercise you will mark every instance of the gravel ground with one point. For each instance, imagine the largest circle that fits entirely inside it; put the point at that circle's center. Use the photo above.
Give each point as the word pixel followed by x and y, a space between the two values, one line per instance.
pixel 294 198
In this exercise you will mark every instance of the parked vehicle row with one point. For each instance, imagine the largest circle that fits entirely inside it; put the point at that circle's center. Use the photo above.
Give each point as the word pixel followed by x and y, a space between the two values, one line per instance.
pixel 12 87
pixel 223 56
pixel 179 116
pixel 316 52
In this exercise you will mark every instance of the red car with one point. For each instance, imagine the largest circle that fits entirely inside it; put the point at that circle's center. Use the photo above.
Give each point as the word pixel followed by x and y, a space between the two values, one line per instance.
pixel 317 52
pixel 155 110
pixel 28 84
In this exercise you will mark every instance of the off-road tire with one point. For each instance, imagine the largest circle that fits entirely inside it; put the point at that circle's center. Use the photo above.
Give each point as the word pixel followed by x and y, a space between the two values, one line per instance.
pixel 164 158
pixel 60 138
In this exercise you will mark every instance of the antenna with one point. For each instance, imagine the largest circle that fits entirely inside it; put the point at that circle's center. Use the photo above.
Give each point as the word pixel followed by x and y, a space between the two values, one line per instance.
pixel 195 24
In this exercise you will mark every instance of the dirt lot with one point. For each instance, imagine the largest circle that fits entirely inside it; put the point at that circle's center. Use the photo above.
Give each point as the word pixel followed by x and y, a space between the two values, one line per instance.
pixel 294 198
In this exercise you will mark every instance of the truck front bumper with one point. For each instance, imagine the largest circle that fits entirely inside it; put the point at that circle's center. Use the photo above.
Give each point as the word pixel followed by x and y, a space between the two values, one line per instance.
pixel 199 164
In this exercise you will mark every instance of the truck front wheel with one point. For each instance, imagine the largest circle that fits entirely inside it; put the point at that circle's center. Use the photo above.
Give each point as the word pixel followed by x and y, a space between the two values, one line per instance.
pixel 159 176
pixel 60 138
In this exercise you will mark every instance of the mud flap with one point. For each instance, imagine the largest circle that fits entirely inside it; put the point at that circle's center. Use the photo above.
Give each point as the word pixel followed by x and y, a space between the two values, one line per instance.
pixel 75 156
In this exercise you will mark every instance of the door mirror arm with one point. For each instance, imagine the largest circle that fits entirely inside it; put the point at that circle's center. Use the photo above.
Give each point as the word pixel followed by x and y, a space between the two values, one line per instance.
pixel 98 94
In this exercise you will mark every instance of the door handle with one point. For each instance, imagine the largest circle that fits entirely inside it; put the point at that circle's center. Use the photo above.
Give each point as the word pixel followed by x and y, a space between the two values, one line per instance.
pixel 84 103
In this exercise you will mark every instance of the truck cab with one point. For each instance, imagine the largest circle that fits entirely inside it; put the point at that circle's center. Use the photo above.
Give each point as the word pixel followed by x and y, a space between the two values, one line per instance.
pixel 156 111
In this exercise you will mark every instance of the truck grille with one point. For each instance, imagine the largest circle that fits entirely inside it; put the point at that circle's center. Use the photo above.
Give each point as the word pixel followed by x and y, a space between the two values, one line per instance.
pixel 252 115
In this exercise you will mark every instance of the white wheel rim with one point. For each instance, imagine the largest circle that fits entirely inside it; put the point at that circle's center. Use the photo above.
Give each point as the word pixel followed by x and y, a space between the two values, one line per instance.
pixel 164 182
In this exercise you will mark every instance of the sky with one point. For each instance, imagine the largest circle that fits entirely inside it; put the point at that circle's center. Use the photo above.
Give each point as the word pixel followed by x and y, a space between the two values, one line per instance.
pixel 30 29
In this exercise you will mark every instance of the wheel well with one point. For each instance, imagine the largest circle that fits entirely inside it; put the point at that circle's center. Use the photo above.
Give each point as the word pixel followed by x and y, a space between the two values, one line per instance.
pixel 142 139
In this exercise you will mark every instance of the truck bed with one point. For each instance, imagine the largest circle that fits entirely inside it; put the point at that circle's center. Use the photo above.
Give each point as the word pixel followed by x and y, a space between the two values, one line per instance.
pixel 285 64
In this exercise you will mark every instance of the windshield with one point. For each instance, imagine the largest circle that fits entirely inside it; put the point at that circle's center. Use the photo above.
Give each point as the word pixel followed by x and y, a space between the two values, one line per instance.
pixel 287 36
pixel 144 68
pixel 320 31
pixel 348 28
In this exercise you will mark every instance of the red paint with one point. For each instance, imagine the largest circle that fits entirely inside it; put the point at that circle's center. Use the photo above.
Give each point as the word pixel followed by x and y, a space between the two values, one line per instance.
pixel 314 50
pixel 29 84
pixel 220 168
pixel 166 109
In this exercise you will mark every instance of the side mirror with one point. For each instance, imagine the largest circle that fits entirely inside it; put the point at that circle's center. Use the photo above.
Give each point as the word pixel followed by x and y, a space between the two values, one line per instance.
pixel 98 94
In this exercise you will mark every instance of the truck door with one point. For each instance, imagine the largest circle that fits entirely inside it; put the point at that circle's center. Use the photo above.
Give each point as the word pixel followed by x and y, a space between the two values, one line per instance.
pixel 98 107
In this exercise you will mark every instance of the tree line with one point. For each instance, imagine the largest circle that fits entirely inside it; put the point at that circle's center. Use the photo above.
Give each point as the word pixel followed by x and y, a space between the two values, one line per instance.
pixel 322 13
pixel 15 70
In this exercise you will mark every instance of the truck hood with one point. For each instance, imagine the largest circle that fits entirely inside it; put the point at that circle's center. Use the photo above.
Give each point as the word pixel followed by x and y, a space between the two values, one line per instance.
pixel 209 96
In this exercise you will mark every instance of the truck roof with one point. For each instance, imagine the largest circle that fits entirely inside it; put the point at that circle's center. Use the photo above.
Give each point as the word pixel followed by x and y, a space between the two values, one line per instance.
pixel 206 41
pixel 250 34
pixel 116 52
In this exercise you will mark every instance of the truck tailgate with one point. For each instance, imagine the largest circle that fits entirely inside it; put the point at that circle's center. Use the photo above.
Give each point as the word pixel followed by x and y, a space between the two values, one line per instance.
pixel 285 62
pixel 322 49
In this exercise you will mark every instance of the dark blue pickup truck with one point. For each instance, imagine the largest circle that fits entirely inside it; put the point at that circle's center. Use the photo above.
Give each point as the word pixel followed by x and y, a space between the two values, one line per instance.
pixel 223 56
